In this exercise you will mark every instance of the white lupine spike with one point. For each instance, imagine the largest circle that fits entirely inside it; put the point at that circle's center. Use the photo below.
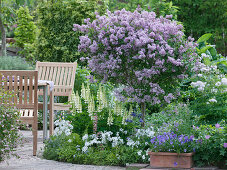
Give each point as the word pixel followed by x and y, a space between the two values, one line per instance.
pixel 72 101
pixel 104 99
pixel 78 103
pixel 130 112
pixel 110 118
pixel 91 106
pixel 118 108
pixel 124 117
pixel 87 94
pixel 83 91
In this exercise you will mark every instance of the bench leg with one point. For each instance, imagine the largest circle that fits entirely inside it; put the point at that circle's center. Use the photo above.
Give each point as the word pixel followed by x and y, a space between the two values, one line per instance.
pixel 35 137
pixel 51 113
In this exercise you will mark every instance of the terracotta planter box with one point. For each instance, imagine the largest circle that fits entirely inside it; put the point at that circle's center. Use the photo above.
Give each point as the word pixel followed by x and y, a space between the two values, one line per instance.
pixel 171 160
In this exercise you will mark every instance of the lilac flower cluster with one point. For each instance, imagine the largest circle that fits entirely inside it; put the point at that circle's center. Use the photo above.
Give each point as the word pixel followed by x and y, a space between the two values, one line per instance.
pixel 136 49
pixel 170 142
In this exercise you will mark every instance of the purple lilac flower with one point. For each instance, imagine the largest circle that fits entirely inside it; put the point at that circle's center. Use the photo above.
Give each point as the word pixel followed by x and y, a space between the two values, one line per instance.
pixel 217 125
pixel 207 136
pixel 122 39
pixel 225 145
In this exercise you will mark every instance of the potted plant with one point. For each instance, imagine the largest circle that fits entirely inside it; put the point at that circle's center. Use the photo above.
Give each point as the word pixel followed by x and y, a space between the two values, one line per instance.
pixel 172 151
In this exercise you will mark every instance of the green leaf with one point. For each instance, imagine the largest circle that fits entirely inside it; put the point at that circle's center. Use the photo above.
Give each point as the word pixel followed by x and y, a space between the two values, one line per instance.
pixel 204 49
pixel 204 37
pixel 213 52
pixel 206 61
pixel 222 66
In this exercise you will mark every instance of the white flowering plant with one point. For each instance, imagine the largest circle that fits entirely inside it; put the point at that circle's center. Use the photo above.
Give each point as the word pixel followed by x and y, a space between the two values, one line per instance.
pixel 9 119
pixel 63 127
pixel 95 108
pixel 208 93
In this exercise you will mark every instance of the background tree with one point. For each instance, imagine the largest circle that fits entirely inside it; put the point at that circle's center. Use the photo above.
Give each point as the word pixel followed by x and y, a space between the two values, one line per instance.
pixel 56 39
pixel 205 16
pixel 7 17
pixel 26 30
pixel 161 7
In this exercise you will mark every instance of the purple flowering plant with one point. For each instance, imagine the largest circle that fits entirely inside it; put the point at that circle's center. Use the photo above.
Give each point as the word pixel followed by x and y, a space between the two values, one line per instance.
pixel 145 54
pixel 213 149
pixel 171 142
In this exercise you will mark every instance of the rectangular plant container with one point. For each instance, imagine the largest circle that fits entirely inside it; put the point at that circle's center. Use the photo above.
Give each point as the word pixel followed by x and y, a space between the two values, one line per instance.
pixel 171 160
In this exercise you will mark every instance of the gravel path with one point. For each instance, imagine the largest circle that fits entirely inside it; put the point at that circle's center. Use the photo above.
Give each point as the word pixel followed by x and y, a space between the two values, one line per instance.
pixel 28 162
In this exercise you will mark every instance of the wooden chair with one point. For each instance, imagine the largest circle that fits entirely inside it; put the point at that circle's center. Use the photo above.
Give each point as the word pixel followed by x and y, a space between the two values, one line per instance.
pixel 24 84
pixel 63 76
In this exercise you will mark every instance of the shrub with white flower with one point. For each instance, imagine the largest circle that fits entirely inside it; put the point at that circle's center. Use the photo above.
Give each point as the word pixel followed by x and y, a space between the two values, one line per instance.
pixel 62 127
pixel 104 138
pixel 209 92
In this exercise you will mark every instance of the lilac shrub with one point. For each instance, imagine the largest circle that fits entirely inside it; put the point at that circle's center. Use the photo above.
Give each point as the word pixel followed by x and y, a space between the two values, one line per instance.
pixel 145 54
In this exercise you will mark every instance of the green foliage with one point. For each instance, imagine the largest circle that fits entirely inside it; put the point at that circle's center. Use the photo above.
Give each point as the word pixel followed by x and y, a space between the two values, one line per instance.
pixel 209 77
pixel 14 63
pixel 25 32
pixel 9 135
pixel 57 144
pixel 56 40
pixel 81 122
pixel 70 149
pixel 210 50
pixel 160 7
pixel 212 150
pixel 200 17
pixel 176 117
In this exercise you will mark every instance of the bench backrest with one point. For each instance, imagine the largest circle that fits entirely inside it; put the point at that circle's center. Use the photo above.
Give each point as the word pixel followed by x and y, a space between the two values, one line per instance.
pixel 62 74
pixel 24 86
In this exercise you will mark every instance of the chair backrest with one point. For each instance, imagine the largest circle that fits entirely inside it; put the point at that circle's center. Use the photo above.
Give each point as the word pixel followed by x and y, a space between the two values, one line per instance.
pixel 62 74
pixel 24 86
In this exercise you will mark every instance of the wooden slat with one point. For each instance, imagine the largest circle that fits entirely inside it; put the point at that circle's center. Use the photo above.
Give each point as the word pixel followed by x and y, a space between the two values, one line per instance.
pixel 26 113
pixel 57 76
pixel 61 76
pixel 69 76
pixel 40 71
pixel 54 74
pixel 5 82
pixel 51 73
pixel 20 89
pixel 30 89
pixel 10 87
pixel 15 89
pixel 43 73
pixel 47 74
pixel 25 89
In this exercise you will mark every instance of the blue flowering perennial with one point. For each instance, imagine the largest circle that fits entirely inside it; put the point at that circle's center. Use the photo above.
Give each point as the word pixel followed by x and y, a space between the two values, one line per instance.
pixel 170 142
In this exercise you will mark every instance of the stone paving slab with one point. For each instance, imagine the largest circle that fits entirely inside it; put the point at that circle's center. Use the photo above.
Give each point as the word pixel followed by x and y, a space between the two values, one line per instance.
pixel 29 162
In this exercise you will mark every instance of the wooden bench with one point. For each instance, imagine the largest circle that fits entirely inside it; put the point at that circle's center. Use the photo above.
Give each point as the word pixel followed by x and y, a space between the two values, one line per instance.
pixel 63 76
pixel 24 84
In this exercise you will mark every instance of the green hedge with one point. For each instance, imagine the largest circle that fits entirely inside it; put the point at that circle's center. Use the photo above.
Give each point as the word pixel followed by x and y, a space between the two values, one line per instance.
pixel 204 16
pixel 56 40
